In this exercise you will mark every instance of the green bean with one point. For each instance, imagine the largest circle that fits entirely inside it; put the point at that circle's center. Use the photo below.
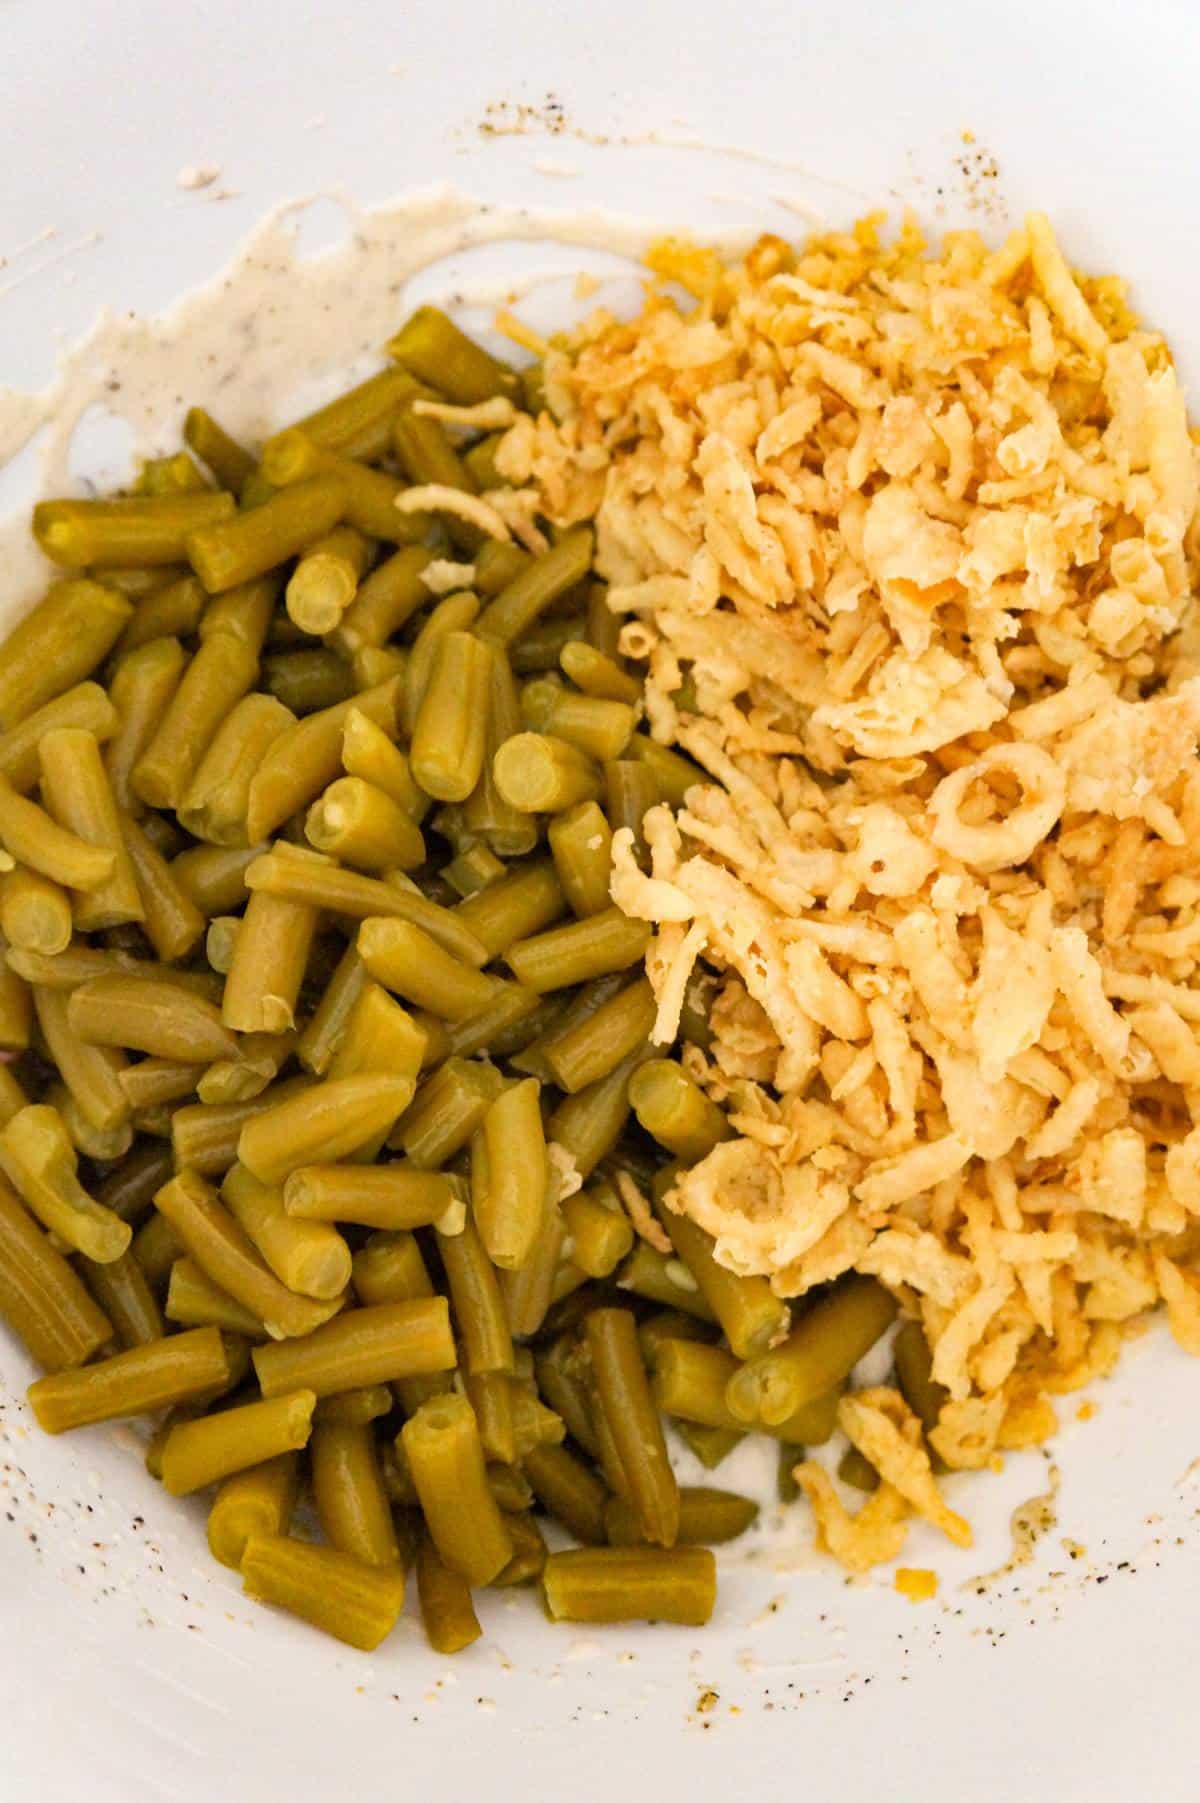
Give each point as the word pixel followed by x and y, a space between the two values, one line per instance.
pixel 630 790
pixel 538 774
pixel 707 1517
pixel 600 1235
pixel 453 614
pixel 485 1031
pixel 477 1303
pixel 822 1349
pixel 387 598
pixel 567 1490
pixel 257 1063
pixel 226 1254
pixel 561 1371
pixel 202 1452
pixel 222 671
pixel 172 611
pixel 538 586
pixel 446 1461
pixel 595 947
pixel 39 1160
pixel 70 631
pixel 389 1268
pixel 351 1503
pixel 450 725
pixel 631 1583
pixel 674 774
pixel 674 1110
pixel 324 1123
pixel 306 681
pixel 77 794
pixel 86 705
pixel 691 1381
pixel 752 1317
pixel 292 460
pixel 176 475
pixel 367 752
pixel 213 877
pixel 158 1249
pixel 155 1082
pixel 309 1257
pixel 914 1375
pixel 424 452
pixel 599 729
pixel 327 1027
pixel 380 1036
pixel 136 530
pixel 236 549
pixel 88 1141
pixel 12 1096
pixel 588 1125
pixel 362 826
pixel 497 562
pixel 509 1199
pixel 591 1050
pixel 356 1407
pixel 254 1502
pixel 35 914
pixel 598 674
pixel 147 1016
pixel 325 579
pixel 138 581
pixel 33 838
pixel 244 612
pixel 529 1553
pixel 413 964
pixel 89 1072
pixel 448 1107
pixel 713 1445
pixel 41 1297
pixel 667 1281
pixel 122 1292
pixel 356 1603
pixel 270 956
pixel 306 759
pixel 624 1397
pixel 508 831
pixel 178 1369
pixel 194 1300
pixel 142 686
pixel 473 870
pixel 215 804
pixel 80 963
pixel 537 652
pixel 391 1196
pixel 359 422
pixel 447 1613
pixel 857 1471
pixel 572 1011
pixel 306 876
pixel 521 903
pixel 229 463
pixel 129 1190
pixel 490 1395
pixel 379 1344
pixel 431 348
pixel 581 846
pixel 16 1009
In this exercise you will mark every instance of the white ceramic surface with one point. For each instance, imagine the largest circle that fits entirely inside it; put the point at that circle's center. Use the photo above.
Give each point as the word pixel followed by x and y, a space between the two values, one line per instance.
pixel 130 1668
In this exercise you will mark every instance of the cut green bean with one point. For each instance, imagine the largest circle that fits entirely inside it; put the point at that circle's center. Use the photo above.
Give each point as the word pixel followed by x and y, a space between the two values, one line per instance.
pixel 255 1502
pixel 225 1253
pixel 477 1303
pixel 172 611
pixel 707 1517
pixel 238 548
pixel 34 838
pixel 359 422
pixel 485 1031
pixel 394 1197
pixel 367 752
pixel 91 1073
pixel 630 790
pixel 326 578
pixel 361 825
pixel 35 914
pixel 244 612
pixel 150 529
pixel 445 1458
pixel 171 920
pixel 497 562
pixel 39 1160
pixel 142 687
pixel 213 877
pixel 431 347
pixel 914 1374
pixel 389 1268
pixel 589 948
pixel 453 614
pixel 41 1296
pixel 509 1202
pixel 529 1553
pixel 674 1110
pixel 623 1394
pixel 77 793
pixel 448 1107
pixel 508 831
pixel 357 1407
pixel 538 774
pixel 593 1049
pixel 158 1249
pixel 674 774
pixel 412 963
pixel 631 1583
pixel 308 1256
pixel 222 671
pixel 822 1349
pixel 447 1612
pixel 352 1505
pixel 375 1345
pixel 581 846
pixel 713 1445
pixel 86 706
pixel 129 1190
pixel 194 1300
pixel 356 1603
pixel 598 674
pixel 522 903
pixel 537 652
pixel 387 598
pixel 537 587
pixel 657 1278
pixel 450 727
pixel 379 1036
pixel 490 1395
pixel 121 1290
pixel 179 1369
pixel 306 759
pixel 66 636
pixel 199 1453
pixel 600 1235
pixel 324 1123
pixel 752 1317
pixel 588 1125
pixel 156 1082
pixel 292 460
pixel 599 729
pixel 573 1010
pixel 147 1016
pixel 306 681
pixel 230 464
pixel 270 956
pixel 215 804
pixel 308 877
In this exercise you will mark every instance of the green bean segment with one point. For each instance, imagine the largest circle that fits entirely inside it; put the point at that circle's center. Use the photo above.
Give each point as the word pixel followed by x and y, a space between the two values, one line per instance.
pixel 633 1583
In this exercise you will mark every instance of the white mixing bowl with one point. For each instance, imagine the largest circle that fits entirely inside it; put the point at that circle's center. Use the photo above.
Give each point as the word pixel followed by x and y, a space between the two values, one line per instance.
pixel 130 1666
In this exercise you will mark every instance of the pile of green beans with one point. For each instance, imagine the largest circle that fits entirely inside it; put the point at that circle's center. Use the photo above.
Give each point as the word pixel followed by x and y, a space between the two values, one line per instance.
pixel 311 988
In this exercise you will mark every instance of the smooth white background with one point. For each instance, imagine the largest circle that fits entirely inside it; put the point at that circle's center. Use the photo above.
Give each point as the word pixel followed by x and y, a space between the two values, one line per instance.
pixel 129 1668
